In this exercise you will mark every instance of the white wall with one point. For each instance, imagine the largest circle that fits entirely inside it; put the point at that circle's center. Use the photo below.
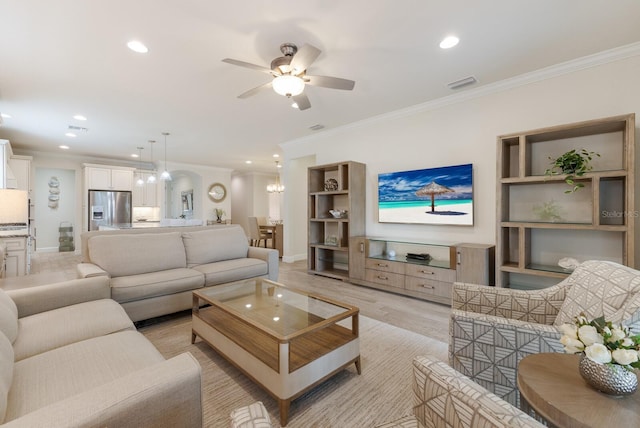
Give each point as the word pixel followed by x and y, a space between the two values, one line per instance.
pixel 250 197
pixel 463 129
pixel 48 220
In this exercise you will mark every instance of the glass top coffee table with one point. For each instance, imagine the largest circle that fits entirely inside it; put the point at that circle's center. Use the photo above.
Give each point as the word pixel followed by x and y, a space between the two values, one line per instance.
pixel 285 340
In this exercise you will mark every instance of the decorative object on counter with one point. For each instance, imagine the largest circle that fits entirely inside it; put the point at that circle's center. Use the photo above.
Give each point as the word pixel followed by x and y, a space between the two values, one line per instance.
pixel 338 213
pixel 568 263
pixel 165 176
pixel 391 253
pixel 276 188
pixel 548 211
pixel 217 192
pixel 574 163
pixel 54 193
pixel 219 212
pixel 331 185
pixel 609 354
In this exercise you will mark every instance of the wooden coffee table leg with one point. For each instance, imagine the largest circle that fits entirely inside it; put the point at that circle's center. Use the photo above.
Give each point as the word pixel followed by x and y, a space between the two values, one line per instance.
pixel 358 365
pixel 284 412
pixel 193 337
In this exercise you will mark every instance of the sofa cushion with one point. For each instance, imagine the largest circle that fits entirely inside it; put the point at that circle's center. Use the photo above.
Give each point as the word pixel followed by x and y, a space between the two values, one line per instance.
pixel 73 369
pixel 137 287
pixel 8 316
pixel 6 373
pixel 601 288
pixel 216 244
pixel 122 255
pixel 232 270
pixel 59 327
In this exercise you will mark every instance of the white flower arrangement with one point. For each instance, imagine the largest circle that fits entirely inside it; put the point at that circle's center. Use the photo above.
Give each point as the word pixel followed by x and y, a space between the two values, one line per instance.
pixel 602 342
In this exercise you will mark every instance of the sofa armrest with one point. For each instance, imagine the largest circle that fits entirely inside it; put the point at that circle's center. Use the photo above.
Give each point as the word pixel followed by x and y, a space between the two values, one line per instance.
pixel 33 300
pixel 537 306
pixel 89 270
pixel 270 256
pixel 488 349
pixel 167 394
pixel 442 394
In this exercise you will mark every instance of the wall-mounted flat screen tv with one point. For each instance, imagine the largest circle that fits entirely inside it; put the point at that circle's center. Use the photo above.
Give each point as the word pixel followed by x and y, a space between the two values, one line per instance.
pixel 427 196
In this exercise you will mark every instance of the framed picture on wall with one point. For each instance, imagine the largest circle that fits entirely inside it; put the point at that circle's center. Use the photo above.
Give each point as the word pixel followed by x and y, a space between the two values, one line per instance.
pixel 441 195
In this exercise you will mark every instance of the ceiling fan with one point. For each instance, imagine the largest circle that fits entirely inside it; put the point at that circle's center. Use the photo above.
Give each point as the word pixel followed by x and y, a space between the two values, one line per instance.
pixel 290 74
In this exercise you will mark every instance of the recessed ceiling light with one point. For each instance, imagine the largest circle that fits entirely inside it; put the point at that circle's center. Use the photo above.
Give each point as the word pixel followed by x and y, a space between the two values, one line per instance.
pixel 248 162
pixel 64 147
pixel 275 155
pixel 79 117
pixel 137 46
pixel 134 155
pixel 70 134
pixel 449 42
pixel 5 115
pixel 294 105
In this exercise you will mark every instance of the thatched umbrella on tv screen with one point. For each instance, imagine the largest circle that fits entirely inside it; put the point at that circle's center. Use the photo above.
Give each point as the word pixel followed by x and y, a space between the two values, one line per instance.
pixel 433 189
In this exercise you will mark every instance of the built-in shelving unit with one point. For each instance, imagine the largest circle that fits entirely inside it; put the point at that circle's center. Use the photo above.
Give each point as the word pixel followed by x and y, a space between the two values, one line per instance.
pixel 339 187
pixel 539 223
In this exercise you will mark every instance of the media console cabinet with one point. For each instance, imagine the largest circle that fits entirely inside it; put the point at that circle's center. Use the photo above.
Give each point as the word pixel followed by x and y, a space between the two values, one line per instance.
pixel 383 264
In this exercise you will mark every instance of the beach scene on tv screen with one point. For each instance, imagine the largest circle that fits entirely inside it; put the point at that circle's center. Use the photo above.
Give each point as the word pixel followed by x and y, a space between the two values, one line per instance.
pixel 441 195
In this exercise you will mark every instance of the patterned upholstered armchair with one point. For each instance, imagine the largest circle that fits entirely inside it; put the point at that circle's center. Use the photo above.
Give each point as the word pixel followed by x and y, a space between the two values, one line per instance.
pixel 492 329
pixel 444 398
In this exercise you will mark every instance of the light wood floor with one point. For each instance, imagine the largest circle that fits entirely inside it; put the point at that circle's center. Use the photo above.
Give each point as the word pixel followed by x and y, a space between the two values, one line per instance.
pixel 426 318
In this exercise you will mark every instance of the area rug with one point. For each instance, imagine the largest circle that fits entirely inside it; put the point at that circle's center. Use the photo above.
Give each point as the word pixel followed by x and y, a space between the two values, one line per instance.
pixel 382 393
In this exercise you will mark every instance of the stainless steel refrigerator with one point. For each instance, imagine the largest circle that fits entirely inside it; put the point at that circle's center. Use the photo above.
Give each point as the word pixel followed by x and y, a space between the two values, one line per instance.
pixel 108 208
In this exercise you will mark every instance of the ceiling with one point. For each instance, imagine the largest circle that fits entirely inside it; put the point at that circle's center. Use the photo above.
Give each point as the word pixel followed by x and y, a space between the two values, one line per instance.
pixel 66 57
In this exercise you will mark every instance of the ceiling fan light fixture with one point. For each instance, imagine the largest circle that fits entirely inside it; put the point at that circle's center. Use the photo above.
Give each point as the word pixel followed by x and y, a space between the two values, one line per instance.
pixel 288 85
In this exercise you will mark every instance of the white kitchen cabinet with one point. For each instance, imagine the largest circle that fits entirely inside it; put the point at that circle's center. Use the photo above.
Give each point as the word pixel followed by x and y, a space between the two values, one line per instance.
pixel 147 194
pixel 21 168
pixel 100 177
pixel 16 256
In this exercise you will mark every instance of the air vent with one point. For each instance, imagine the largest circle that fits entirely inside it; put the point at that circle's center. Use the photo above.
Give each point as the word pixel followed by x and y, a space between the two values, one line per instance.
pixel 462 82
pixel 78 128
pixel 316 127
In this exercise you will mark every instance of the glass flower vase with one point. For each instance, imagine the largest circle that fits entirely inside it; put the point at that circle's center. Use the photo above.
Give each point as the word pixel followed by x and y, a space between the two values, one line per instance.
pixel 611 379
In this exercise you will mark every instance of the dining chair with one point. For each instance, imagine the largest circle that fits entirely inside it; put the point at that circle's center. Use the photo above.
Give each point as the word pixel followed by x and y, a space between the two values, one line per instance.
pixel 255 235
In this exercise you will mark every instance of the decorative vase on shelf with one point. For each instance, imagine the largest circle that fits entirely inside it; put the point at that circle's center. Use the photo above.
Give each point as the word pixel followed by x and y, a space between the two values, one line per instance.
pixel 611 379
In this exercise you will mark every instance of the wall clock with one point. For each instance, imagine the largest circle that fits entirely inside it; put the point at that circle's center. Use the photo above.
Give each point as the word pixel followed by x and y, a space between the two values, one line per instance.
pixel 217 192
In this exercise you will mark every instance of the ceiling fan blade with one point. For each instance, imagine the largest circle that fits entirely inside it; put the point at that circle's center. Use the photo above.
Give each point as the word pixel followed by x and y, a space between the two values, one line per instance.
pixel 330 82
pixel 302 101
pixel 304 58
pixel 249 65
pixel 254 91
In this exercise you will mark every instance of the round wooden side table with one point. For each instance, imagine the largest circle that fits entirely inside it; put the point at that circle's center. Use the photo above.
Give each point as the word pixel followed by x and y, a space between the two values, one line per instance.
pixel 551 385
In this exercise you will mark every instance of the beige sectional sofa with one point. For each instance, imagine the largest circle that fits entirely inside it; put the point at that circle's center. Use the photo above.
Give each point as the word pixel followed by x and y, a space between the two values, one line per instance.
pixel 71 357
pixel 153 271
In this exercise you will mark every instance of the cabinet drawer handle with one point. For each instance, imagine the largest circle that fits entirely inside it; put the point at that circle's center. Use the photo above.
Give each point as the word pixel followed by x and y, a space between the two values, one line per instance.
pixel 428 286
pixel 383 265
pixel 429 272
pixel 382 277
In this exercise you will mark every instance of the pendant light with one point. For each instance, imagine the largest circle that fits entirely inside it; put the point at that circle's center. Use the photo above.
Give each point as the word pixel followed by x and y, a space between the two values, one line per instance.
pixel 276 188
pixel 140 181
pixel 152 177
pixel 165 176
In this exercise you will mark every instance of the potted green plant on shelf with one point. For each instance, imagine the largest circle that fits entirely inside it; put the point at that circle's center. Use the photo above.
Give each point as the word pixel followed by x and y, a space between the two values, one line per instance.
pixel 574 163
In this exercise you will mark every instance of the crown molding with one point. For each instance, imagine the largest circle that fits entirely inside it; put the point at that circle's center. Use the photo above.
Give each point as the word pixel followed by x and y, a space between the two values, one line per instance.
pixel 589 61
